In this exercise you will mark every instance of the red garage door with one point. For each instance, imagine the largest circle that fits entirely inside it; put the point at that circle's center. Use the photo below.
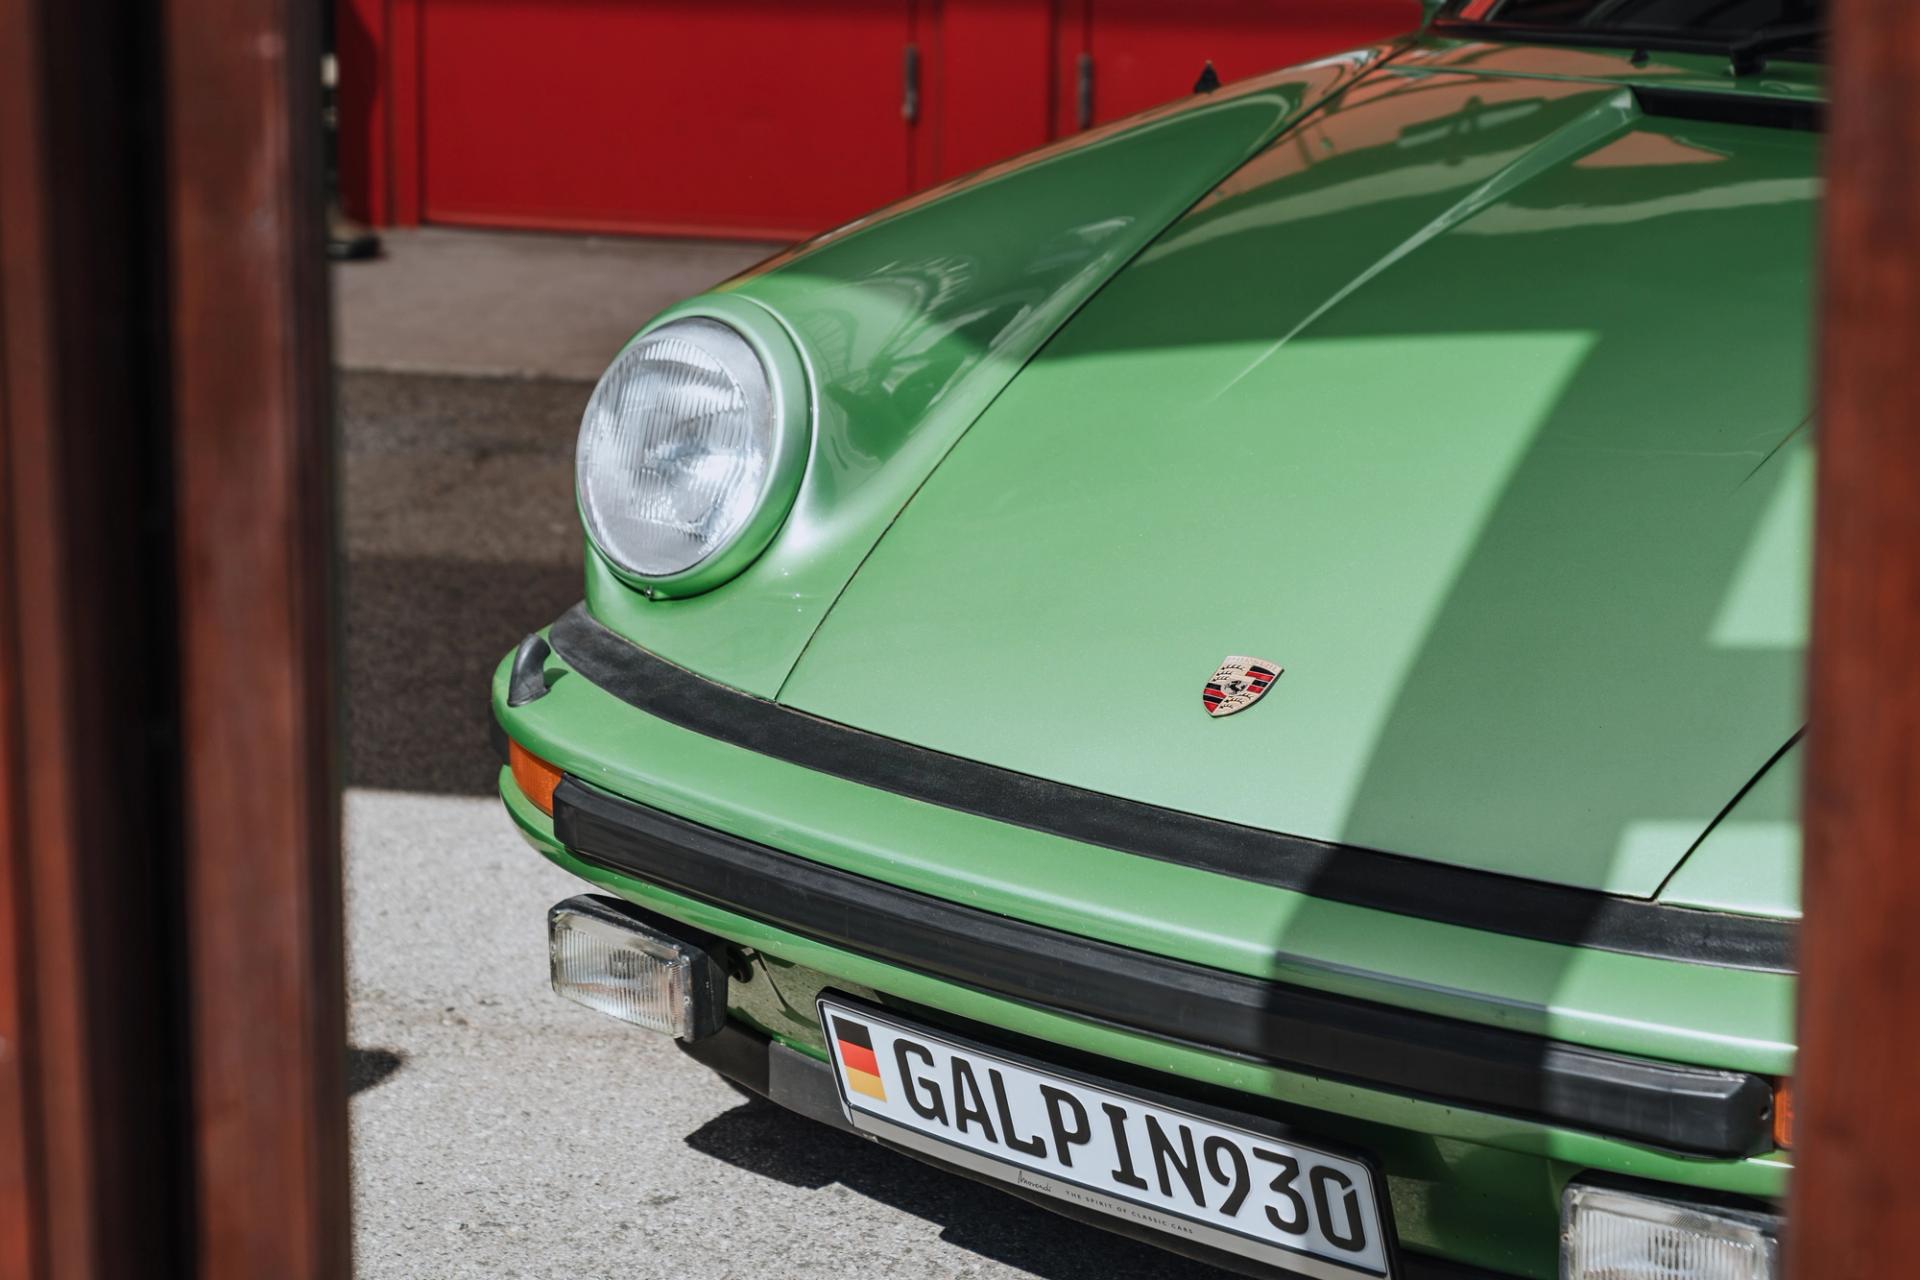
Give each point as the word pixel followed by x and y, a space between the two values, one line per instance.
pixel 771 118
pixel 762 118
pixel 1003 76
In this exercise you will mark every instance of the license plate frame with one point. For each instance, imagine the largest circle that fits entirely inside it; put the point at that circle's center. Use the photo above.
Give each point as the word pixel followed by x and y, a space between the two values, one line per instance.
pixel 1007 1096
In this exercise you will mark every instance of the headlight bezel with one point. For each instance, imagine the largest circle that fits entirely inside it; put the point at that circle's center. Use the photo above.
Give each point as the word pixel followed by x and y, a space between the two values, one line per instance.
pixel 790 393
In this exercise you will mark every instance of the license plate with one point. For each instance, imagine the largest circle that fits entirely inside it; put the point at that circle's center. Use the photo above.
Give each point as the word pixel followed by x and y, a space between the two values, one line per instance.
pixel 1258 1195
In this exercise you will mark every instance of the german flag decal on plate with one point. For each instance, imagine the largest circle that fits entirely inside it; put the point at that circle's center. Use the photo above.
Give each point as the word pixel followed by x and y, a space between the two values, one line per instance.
pixel 853 1045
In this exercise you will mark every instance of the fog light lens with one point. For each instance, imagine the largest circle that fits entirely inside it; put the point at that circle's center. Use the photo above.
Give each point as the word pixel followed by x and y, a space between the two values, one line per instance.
pixel 1609 1234
pixel 607 956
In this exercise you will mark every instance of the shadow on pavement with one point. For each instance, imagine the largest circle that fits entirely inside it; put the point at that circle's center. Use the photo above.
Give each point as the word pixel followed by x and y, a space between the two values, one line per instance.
pixel 763 1139
pixel 369 1067
pixel 460 538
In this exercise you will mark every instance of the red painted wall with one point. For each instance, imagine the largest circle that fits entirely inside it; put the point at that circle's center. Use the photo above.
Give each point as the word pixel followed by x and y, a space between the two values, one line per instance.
pixel 761 118
pixel 989 83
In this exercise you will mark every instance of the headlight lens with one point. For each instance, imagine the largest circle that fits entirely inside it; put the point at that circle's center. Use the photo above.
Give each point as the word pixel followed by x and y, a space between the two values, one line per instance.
pixel 677 449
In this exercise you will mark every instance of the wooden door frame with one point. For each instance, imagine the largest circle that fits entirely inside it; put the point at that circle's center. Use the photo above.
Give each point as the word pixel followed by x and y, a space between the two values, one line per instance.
pixel 172 1094
pixel 1854 1206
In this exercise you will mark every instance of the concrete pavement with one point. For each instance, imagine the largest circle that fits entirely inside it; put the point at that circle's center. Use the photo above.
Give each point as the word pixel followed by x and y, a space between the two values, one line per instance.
pixel 499 1131
pixel 503 1132
pixel 498 302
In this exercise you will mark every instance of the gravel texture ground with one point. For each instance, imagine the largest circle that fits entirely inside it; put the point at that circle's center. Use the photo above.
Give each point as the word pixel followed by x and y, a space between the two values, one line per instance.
pixel 502 1132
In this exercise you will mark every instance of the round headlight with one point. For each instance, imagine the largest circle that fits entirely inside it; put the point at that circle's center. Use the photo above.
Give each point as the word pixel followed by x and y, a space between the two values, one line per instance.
pixel 687 448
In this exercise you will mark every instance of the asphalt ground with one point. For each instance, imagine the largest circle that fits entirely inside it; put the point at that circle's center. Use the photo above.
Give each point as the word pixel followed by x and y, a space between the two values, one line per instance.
pixel 498 1130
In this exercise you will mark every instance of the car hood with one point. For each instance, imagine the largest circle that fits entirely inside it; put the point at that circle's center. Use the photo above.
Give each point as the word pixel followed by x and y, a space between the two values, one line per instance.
pixel 911 321
pixel 1478 405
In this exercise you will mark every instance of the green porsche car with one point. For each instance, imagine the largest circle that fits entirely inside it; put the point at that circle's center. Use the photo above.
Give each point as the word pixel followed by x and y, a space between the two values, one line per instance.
pixel 1238 676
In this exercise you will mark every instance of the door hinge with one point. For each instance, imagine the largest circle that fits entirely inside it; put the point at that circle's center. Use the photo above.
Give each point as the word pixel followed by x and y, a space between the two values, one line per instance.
pixel 1083 91
pixel 910 85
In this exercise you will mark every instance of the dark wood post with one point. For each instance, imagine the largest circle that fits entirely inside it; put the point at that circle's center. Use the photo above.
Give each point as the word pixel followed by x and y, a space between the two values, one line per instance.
pixel 172 1101
pixel 255 543
pixel 1855 1206
pixel 93 1104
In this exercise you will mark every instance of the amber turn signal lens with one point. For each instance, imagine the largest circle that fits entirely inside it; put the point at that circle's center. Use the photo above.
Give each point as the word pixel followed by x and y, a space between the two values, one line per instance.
pixel 534 776
pixel 1783 1115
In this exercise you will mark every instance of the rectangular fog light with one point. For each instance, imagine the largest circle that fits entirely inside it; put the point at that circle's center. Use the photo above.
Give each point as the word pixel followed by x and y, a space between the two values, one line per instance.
pixel 1609 1234
pixel 611 957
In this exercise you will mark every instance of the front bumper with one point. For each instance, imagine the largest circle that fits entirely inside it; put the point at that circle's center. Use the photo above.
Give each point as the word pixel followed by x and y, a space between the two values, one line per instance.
pixel 1450 1054
pixel 1697 1110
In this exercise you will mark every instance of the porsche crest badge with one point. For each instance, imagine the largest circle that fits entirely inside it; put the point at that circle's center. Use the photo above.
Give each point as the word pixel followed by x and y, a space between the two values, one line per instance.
pixel 1238 684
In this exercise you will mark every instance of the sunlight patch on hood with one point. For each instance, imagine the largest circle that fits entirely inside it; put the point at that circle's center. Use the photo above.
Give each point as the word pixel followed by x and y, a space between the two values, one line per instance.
pixel 1767 605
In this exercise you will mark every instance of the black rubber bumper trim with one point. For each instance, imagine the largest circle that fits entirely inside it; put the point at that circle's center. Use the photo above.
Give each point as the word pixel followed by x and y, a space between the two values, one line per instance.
pixel 1339 873
pixel 805 1085
pixel 1678 1108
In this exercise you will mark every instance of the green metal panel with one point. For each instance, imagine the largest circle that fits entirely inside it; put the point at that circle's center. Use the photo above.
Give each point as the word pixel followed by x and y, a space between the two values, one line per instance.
pixel 1476 405
pixel 911 321
pixel 1750 862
